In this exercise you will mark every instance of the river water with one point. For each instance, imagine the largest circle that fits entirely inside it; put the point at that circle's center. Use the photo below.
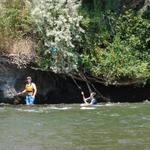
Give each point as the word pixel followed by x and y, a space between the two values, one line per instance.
pixel 74 127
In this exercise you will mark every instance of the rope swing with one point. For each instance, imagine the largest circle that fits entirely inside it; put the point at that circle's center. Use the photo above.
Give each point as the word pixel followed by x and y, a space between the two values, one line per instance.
pixel 88 83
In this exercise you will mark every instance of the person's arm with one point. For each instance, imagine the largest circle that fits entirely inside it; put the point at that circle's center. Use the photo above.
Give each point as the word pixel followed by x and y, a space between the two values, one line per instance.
pixel 35 90
pixel 84 99
pixel 20 93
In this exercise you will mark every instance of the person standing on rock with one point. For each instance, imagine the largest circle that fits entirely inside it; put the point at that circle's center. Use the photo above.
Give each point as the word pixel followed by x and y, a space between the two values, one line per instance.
pixel 30 90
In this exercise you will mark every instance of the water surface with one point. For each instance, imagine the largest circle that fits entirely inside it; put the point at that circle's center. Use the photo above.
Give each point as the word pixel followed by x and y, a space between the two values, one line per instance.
pixel 75 127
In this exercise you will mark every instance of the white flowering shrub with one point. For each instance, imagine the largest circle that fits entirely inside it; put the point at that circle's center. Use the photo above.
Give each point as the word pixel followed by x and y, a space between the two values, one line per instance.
pixel 58 22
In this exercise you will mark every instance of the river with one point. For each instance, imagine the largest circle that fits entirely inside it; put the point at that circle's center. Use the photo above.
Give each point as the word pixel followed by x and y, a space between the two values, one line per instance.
pixel 74 127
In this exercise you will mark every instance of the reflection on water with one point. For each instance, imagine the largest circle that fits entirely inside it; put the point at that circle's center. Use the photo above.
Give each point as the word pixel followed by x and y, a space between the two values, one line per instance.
pixel 75 127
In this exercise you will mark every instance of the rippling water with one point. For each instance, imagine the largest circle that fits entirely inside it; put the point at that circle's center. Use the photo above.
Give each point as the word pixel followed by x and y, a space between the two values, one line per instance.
pixel 75 127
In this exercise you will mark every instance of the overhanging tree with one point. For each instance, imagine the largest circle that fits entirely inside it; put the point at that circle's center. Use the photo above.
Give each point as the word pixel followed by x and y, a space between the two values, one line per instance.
pixel 59 28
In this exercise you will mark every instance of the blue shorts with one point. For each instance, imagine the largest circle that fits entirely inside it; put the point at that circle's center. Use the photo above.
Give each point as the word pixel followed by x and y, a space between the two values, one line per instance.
pixel 29 100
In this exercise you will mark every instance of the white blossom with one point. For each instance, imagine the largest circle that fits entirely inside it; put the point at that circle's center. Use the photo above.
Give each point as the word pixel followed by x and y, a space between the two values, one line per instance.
pixel 59 23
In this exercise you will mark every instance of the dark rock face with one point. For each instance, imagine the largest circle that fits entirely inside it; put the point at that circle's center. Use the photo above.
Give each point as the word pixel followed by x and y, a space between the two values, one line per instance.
pixel 51 88
pixel 129 93
pixel 54 88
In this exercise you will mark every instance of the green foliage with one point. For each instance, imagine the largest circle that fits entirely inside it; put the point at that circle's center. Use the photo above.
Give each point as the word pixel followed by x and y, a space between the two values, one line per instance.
pixel 113 46
pixel 97 23
pixel 15 19
pixel 126 55
pixel 59 28
pixel 133 30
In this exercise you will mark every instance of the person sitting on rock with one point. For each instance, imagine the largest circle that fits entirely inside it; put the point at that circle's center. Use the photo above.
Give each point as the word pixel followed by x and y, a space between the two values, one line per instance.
pixel 30 90
pixel 90 100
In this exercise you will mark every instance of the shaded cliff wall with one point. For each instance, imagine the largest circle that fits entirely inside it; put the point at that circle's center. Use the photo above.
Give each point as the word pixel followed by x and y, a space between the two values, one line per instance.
pixel 54 88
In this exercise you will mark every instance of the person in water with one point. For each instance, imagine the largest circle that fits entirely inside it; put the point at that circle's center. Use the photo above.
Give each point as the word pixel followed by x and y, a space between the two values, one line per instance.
pixel 30 90
pixel 91 99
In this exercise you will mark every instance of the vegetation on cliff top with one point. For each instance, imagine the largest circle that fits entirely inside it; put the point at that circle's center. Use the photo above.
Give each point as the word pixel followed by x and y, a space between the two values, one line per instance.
pixel 16 20
pixel 96 37
pixel 121 53
pixel 58 24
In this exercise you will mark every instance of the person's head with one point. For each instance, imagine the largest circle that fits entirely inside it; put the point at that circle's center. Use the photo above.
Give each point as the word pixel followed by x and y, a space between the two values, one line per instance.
pixel 29 79
pixel 92 94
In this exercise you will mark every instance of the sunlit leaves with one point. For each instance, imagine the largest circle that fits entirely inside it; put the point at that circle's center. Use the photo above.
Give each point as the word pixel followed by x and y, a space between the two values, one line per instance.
pixel 15 20
pixel 126 55
pixel 58 23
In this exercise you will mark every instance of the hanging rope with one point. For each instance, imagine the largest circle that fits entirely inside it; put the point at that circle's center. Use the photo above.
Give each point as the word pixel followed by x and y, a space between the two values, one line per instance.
pixel 100 94
pixel 94 88
pixel 86 81
pixel 79 87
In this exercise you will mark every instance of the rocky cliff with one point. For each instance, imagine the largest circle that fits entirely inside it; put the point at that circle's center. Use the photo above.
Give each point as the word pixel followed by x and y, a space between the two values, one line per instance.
pixel 54 88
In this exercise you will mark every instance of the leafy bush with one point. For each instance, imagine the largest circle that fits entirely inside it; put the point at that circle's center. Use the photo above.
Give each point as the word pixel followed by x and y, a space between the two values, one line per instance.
pixel 111 46
pixel 126 55
pixel 59 29
pixel 15 19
